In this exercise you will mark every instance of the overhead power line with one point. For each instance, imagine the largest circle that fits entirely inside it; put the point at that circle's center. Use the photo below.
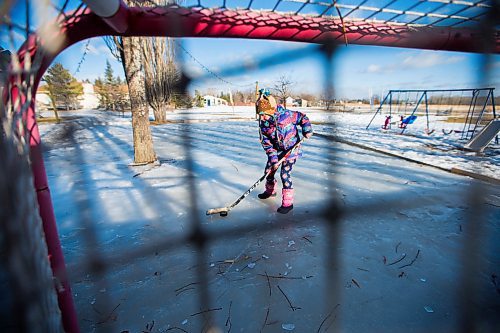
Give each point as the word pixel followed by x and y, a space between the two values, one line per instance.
pixel 208 70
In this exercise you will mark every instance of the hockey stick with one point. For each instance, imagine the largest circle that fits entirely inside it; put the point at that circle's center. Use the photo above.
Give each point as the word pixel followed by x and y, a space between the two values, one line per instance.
pixel 224 210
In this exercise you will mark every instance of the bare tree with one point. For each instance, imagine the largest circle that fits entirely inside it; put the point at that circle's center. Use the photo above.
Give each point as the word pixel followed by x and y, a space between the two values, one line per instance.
pixel 161 74
pixel 115 46
pixel 143 140
pixel 283 88
pixel 128 51
pixel 327 101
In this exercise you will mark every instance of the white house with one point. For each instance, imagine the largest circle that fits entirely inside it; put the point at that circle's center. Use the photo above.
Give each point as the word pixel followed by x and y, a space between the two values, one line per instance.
pixel 301 102
pixel 290 101
pixel 213 101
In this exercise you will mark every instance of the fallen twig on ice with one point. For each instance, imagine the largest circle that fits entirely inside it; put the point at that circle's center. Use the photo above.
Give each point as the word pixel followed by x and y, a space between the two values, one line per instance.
pixel 411 263
pixel 288 300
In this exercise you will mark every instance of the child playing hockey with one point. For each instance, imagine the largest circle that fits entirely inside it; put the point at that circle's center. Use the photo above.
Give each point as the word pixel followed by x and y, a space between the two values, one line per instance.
pixel 278 134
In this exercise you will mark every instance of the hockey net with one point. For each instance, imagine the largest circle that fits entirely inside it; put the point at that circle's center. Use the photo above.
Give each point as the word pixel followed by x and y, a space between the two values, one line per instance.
pixel 468 26
pixel 28 284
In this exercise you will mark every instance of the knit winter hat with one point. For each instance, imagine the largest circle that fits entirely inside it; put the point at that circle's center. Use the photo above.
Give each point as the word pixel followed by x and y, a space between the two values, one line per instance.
pixel 265 91
pixel 266 105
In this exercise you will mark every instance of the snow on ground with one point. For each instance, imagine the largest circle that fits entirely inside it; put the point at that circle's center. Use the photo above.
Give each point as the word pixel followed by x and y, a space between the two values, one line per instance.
pixel 395 262
pixel 437 148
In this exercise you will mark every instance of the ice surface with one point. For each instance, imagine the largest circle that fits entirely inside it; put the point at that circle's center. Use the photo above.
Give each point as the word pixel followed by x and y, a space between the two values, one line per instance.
pixel 341 278
pixel 288 326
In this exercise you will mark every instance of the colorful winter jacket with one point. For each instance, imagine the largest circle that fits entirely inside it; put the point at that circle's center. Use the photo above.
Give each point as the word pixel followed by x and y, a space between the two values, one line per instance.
pixel 280 133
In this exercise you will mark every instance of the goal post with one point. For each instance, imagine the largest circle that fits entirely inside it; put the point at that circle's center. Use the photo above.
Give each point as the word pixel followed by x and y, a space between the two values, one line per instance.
pixel 102 18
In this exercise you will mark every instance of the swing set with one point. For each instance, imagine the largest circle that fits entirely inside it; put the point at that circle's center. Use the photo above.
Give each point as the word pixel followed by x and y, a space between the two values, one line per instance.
pixel 475 118
pixel 401 108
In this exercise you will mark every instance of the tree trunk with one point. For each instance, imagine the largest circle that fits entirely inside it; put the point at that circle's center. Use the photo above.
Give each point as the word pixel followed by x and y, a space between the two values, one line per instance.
pixel 143 141
pixel 54 107
pixel 57 115
pixel 161 74
pixel 160 113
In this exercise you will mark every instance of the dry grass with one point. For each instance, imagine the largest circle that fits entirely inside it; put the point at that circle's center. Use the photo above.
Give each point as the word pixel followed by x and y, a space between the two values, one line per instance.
pixel 51 120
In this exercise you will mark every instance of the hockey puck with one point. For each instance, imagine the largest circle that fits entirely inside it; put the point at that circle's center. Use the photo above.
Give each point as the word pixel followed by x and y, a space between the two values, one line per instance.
pixel 223 213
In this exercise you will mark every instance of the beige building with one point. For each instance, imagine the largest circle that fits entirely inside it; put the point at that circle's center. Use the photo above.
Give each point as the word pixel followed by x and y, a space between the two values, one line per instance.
pixel 89 99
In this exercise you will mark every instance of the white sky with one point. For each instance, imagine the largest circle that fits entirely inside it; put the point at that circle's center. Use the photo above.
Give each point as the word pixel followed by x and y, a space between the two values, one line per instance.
pixel 357 69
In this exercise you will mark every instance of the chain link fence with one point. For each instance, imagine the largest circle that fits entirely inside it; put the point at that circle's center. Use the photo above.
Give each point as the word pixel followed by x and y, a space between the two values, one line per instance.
pixel 31 289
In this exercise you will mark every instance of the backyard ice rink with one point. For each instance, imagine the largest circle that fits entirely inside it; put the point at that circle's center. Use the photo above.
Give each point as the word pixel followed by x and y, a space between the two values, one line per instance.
pixel 394 263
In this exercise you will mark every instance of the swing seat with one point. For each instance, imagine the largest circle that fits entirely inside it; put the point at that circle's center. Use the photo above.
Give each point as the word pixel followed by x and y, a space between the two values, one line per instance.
pixel 387 122
pixel 409 120
pixel 446 132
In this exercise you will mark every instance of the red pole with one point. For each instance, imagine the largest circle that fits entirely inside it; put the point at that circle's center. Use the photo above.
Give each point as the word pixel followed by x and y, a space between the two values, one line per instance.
pixel 89 26
pixel 64 295
pixel 46 210
pixel 188 22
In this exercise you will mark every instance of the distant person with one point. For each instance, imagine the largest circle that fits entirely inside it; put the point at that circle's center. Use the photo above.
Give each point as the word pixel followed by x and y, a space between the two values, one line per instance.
pixel 278 134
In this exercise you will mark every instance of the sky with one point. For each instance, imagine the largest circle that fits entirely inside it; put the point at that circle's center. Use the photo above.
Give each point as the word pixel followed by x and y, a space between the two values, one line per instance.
pixel 359 71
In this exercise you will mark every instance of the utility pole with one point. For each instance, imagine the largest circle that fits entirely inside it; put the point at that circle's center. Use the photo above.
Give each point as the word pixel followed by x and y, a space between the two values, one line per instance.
pixel 231 98
pixel 256 96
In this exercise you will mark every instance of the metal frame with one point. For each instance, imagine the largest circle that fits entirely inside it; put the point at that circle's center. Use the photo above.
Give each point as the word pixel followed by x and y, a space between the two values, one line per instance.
pixel 424 92
pixel 192 21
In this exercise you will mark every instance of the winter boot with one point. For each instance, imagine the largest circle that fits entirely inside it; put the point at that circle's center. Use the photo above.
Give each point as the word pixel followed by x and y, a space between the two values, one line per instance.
pixel 287 203
pixel 270 190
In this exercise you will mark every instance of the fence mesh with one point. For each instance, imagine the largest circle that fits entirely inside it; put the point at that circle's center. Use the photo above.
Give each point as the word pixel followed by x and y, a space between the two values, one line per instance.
pixel 28 284
pixel 30 288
